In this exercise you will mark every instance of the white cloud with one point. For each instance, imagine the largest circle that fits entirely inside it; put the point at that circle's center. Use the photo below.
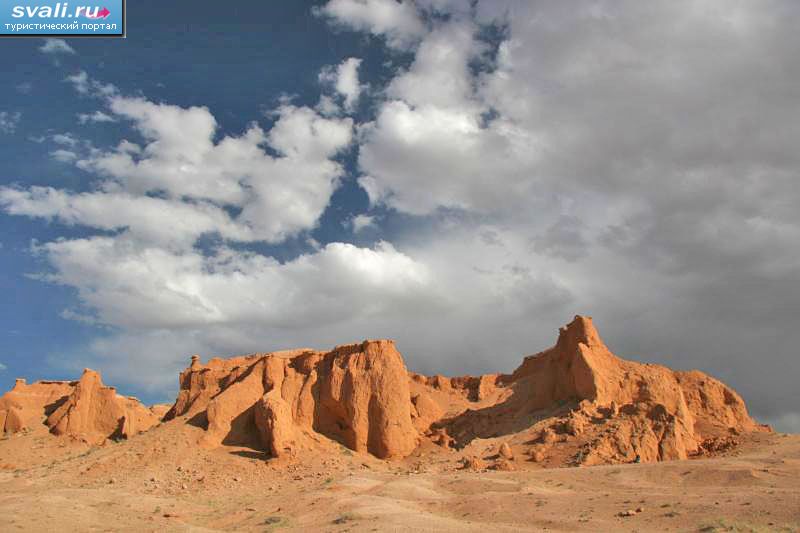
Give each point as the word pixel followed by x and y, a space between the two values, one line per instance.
pixel 97 116
pixel 143 218
pixel 278 196
pixel 64 156
pixel 344 79
pixel 399 21
pixel 56 46
pixel 9 121
pixel 88 86
pixel 622 139
pixel 185 301
pixel 147 273
pixel 361 222
pixel 66 139
pixel 327 106
pixel 230 300
pixel 429 146
pixel 121 280
pixel 3 367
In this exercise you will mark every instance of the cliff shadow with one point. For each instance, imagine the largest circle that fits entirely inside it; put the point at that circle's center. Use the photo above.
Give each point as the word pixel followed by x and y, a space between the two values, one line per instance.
pixel 529 403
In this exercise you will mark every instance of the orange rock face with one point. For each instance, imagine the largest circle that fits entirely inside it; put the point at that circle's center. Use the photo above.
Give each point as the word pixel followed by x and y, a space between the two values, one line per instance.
pixel 573 404
pixel 83 409
pixel 356 395
pixel 25 405
pixel 603 408
pixel 95 412
pixel 575 396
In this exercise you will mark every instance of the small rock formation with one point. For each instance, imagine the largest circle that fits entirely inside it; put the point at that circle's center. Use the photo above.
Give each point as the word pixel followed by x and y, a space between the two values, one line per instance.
pixel 505 452
pixel 95 412
pixel 473 463
pixel 26 406
pixel 537 455
pixel 160 410
pixel 84 409
pixel 503 464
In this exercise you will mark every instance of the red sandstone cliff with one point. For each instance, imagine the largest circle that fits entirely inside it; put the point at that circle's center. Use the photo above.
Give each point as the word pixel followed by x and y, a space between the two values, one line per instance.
pixel 27 405
pixel 580 396
pixel 575 403
pixel 356 395
pixel 84 409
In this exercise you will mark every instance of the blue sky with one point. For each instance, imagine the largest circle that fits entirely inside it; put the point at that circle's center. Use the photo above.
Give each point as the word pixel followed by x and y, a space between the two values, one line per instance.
pixel 192 53
pixel 461 176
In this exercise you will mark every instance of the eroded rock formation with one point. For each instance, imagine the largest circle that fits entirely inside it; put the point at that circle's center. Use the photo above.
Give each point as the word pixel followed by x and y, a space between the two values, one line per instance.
pixel 575 404
pixel 579 396
pixel 84 409
pixel 357 395
pixel 25 406
pixel 576 396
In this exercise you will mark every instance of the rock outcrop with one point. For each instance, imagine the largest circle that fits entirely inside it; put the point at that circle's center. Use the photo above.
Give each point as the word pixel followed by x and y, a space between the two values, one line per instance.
pixel 96 412
pixel 576 396
pixel 84 409
pixel 26 406
pixel 581 397
pixel 573 404
pixel 356 395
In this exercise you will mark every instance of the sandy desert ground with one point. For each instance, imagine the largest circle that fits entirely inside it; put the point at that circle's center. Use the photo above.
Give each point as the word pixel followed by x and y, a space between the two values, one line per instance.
pixel 158 481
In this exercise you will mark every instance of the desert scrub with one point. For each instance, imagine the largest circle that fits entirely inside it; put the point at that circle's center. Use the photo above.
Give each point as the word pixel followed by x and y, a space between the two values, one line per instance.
pixel 276 522
pixel 343 519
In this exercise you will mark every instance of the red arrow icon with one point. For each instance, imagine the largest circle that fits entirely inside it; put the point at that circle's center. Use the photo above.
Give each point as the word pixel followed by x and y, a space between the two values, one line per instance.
pixel 103 13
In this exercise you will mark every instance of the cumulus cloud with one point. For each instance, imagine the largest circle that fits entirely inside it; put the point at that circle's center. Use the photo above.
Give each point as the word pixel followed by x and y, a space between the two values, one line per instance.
pixel 610 139
pixel 277 196
pixel 145 218
pixel 64 156
pixel 134 285
pixel 429 148
pixel 66 139
pixel 96 116
pixel 399 22
pixel 147 272
pixel 169 304
pixel 9 121
pixel 361 222
pixel 87 86
pixel 344 79
pixel 56 46
pixel 180 302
